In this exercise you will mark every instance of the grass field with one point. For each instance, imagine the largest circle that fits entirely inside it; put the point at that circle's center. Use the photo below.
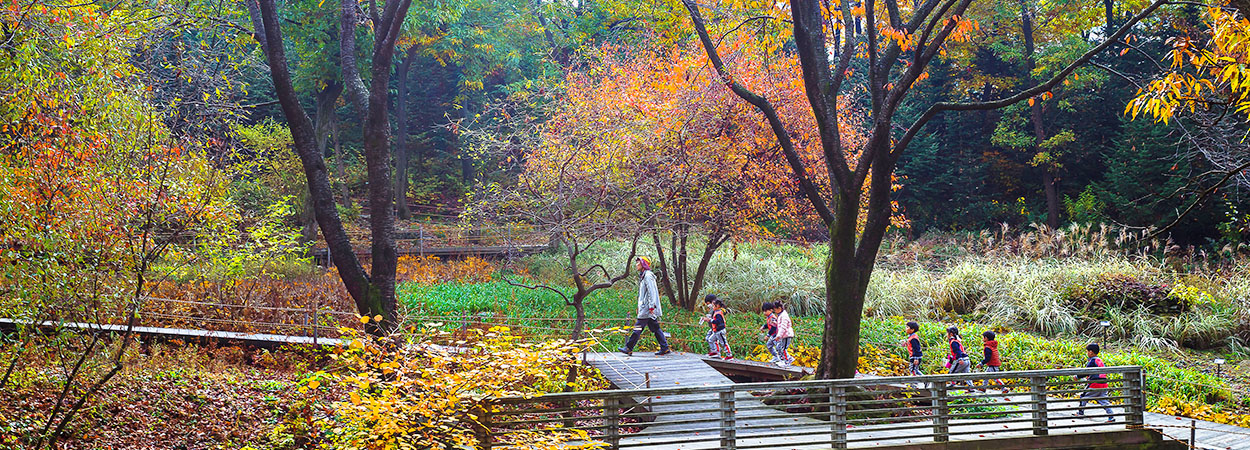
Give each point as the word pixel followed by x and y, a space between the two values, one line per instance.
pixel 543 315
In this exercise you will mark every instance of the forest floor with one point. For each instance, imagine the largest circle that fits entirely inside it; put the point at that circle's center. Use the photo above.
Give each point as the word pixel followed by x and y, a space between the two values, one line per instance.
pixel 167 396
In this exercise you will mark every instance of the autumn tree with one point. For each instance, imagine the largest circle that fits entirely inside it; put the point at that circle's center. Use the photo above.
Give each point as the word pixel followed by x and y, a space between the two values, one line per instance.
pixel 711 159
pixel 94 189
pixel 892 48
pixel 1204 93
pixel 574 185
pixel 373 291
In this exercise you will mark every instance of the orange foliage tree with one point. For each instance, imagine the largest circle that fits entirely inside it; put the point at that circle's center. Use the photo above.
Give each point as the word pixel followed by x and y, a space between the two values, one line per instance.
pixel 93 188
pixel 713 166
pixel 891 44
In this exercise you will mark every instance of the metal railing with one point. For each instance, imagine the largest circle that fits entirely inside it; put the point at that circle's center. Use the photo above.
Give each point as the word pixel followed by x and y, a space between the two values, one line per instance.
pixel 831 413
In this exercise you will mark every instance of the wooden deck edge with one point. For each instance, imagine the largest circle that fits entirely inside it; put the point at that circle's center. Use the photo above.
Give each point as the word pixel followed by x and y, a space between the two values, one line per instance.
pixel 260 340
pixel 756 369
pixel 1145 439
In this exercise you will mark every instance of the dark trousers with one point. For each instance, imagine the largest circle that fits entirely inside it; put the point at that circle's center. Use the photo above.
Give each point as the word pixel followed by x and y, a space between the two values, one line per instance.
pixel 652 324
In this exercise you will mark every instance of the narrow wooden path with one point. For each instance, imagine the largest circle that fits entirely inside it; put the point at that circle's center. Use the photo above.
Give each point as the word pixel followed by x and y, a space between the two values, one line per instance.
pixel 699 411
pixel 1209 435
pixel 262 340
pixel 679 369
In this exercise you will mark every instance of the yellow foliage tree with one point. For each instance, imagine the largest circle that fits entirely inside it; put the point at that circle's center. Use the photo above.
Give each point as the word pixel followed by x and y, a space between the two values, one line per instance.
pixel 410 393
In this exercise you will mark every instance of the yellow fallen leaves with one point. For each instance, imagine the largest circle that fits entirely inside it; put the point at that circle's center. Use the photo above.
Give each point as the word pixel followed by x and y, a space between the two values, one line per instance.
pixel 407 391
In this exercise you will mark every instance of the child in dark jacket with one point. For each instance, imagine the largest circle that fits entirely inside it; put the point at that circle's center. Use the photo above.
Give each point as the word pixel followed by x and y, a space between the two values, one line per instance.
pixel 770 330
pixel 717 341
pixel 914 354
pixel 1097 384
pixel 708 300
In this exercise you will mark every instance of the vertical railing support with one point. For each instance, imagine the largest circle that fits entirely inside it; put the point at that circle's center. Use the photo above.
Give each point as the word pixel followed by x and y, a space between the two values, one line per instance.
pixel 941 411
pixel 837 398
pixel 1135 406
pixel 483 432
pixel 1041 424
pixel 316 307
pixel 728 427
pixel 612 422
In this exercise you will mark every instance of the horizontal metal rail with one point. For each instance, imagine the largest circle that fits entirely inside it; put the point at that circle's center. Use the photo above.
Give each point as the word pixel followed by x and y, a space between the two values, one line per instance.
pixel 831 412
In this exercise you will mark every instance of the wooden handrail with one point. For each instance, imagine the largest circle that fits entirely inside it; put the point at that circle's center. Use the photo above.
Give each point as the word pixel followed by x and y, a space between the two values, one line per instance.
pixel 732 416
pixel 855 382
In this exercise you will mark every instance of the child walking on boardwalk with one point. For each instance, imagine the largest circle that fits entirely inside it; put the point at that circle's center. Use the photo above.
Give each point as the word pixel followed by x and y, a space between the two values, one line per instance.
pixel 991 360
pixel 770 330
pixel 957 360
pixel 708 300
pixel 912 342
pixel 1097 384
pixel 785 332
pixel 718 343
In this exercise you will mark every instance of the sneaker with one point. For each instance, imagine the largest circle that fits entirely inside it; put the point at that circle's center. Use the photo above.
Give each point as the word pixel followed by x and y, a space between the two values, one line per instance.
pixel 663 352
pixel 1111 420
pixel 1080 413
pixel 626 351
pixel 712 353
pixel 728 357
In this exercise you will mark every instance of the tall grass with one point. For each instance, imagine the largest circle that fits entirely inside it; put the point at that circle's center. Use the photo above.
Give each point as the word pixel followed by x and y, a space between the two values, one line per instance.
pixel 1036 281
pixel 531 313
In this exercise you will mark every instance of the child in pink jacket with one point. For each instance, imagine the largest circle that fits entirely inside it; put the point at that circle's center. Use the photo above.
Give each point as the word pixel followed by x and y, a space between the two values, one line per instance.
pixel 785 332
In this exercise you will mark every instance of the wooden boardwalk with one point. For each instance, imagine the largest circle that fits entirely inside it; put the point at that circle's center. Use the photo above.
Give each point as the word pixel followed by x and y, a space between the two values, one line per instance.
pixel 680 369
pixel 757 425
pixel 262 340
pixel 1209 435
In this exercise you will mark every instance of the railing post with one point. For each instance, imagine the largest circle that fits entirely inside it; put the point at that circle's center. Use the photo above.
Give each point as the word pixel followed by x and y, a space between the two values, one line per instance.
pixel 941 424
pixel 314 322
pixel 484 433
pixel 612 422
pixel 728 428
pixel 837 397
pixel 1135 406
pixel 1037 386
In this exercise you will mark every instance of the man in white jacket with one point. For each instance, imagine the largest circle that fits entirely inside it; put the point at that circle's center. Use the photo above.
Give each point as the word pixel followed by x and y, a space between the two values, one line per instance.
pixel 649 310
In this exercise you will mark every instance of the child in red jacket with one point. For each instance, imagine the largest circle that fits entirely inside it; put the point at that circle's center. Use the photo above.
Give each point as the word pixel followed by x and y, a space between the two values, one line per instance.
pixel 990 357
pixel 1097 384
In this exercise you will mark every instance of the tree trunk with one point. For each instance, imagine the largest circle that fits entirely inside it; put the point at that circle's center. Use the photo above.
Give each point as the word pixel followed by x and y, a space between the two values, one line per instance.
pixel 683 276
pixel 665 272
pixel 373 293
pixel 1035 116
pixel 579 309
pixel 846 281
pixel 340 167
pixel 1049 184
pixel 1109 6
pixel 401 139
pixel 304 136
pixel 384 256
pixel 714 242
pixel 325 100
pixel 675 276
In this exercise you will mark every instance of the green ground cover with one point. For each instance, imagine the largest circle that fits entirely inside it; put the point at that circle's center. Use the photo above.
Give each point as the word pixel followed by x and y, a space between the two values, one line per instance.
pixel 543 314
